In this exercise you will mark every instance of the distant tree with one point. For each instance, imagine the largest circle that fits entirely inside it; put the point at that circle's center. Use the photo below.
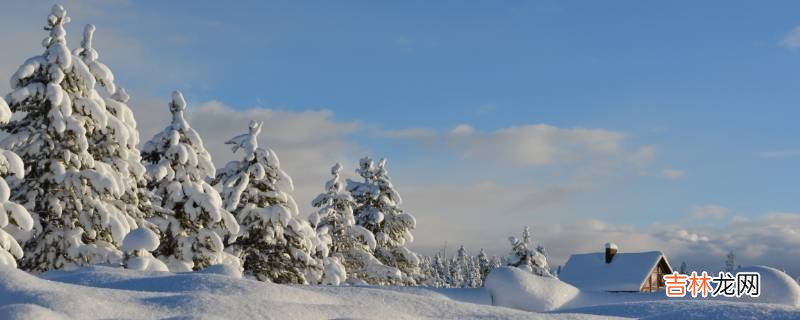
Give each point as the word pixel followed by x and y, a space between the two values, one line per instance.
pixel 532 260
pixel 683 269
pixel 730 262
pixel 484 264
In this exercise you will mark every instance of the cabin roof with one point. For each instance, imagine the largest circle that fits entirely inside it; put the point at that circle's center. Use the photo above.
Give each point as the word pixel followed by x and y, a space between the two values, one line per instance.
pixel 627 271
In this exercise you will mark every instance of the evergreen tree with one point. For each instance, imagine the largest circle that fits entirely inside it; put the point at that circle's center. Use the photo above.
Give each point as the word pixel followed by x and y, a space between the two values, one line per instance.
pixel 458 268
pixel 730 262
pixel 193 229
pixel 12 215
pixel 523 257
pixel 484 265
pixel 114 140
pixel 473 274
pixel 275 244
pixel 378 211
pixel 68 194
pixel 352 244
pixel 438 268
pixel 683 268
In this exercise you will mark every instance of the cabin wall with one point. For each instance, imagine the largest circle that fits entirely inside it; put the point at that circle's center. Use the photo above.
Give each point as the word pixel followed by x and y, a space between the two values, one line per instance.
pixel 655 281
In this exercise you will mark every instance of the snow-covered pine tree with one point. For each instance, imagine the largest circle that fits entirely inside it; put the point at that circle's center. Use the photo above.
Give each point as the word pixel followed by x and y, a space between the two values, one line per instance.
pixel 275 244
pixel 378 210
pixel 352 244
pixel 68 194
pixel 12 215
pixel 730 262
pixel 484 265
pixel 473 274
pixel 461 268
pixel 438 269
pixel 193 230
pixel 116 142
pixel 521 256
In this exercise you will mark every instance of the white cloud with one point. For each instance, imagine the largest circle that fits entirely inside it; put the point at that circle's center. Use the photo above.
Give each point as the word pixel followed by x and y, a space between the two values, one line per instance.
pixel 537 145
pixel 462 130
pixel 792 39
pixel 711 211
pixel 672 174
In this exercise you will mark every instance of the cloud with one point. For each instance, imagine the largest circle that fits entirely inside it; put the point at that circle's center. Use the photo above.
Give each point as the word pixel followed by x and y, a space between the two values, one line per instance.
pixel 308 143
pixel 532 145
pixel 672 174
pixel 779 153
pixel 792 39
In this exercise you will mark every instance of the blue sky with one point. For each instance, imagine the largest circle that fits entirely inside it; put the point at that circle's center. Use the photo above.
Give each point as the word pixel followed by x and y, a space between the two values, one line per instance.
pixel 697 101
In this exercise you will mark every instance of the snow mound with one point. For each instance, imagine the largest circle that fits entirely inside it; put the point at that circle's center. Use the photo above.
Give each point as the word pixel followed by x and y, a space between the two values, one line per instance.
pixel 515 288
pixel 140 239
pixel 776 287
pixel 114 293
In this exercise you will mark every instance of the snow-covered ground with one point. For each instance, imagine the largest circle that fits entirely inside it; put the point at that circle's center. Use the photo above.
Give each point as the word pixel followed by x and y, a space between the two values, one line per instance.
pixel 103 293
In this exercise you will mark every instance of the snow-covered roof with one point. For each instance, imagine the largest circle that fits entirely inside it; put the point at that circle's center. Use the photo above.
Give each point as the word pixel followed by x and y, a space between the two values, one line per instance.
pixel 626 272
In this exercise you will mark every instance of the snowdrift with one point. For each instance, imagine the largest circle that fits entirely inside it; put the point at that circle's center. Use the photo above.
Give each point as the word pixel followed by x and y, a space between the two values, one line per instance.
pixel 519 289
pixel 111 293
pixel 776 287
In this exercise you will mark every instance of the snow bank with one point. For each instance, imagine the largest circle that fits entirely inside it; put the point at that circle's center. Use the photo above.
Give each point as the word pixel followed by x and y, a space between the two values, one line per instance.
pixel 114 293
pixel 515 288
pixel 776 287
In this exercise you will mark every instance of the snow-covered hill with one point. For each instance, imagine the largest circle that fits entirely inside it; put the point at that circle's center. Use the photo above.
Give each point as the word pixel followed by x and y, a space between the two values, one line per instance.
pixel 103 293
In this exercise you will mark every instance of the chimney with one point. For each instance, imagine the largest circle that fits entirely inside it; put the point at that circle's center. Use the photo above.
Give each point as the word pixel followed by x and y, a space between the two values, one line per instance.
pixel 611 250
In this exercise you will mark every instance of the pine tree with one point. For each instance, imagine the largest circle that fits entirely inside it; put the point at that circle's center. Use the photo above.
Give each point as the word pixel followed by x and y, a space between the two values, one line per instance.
pixel 274 244
pixel 458 268
pixel 683 268
pixel 438 268
pixel 484 265
pixel 523 257
pixel 352 244
pixel 114 140
pixel 378 211
pixel 193 229
pixel 68 194
pixel 12 215
pixel 730 262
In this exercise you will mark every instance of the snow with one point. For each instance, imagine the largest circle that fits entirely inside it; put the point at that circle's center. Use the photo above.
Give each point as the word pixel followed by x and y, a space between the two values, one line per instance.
pixel 140 239
pixel 516 288
pixel 776 286
pixel 103 293
pixel 216 293
pixel 626 272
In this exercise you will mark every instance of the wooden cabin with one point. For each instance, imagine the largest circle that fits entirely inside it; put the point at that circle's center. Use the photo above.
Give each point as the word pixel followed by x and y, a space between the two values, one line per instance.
pixel 617 272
